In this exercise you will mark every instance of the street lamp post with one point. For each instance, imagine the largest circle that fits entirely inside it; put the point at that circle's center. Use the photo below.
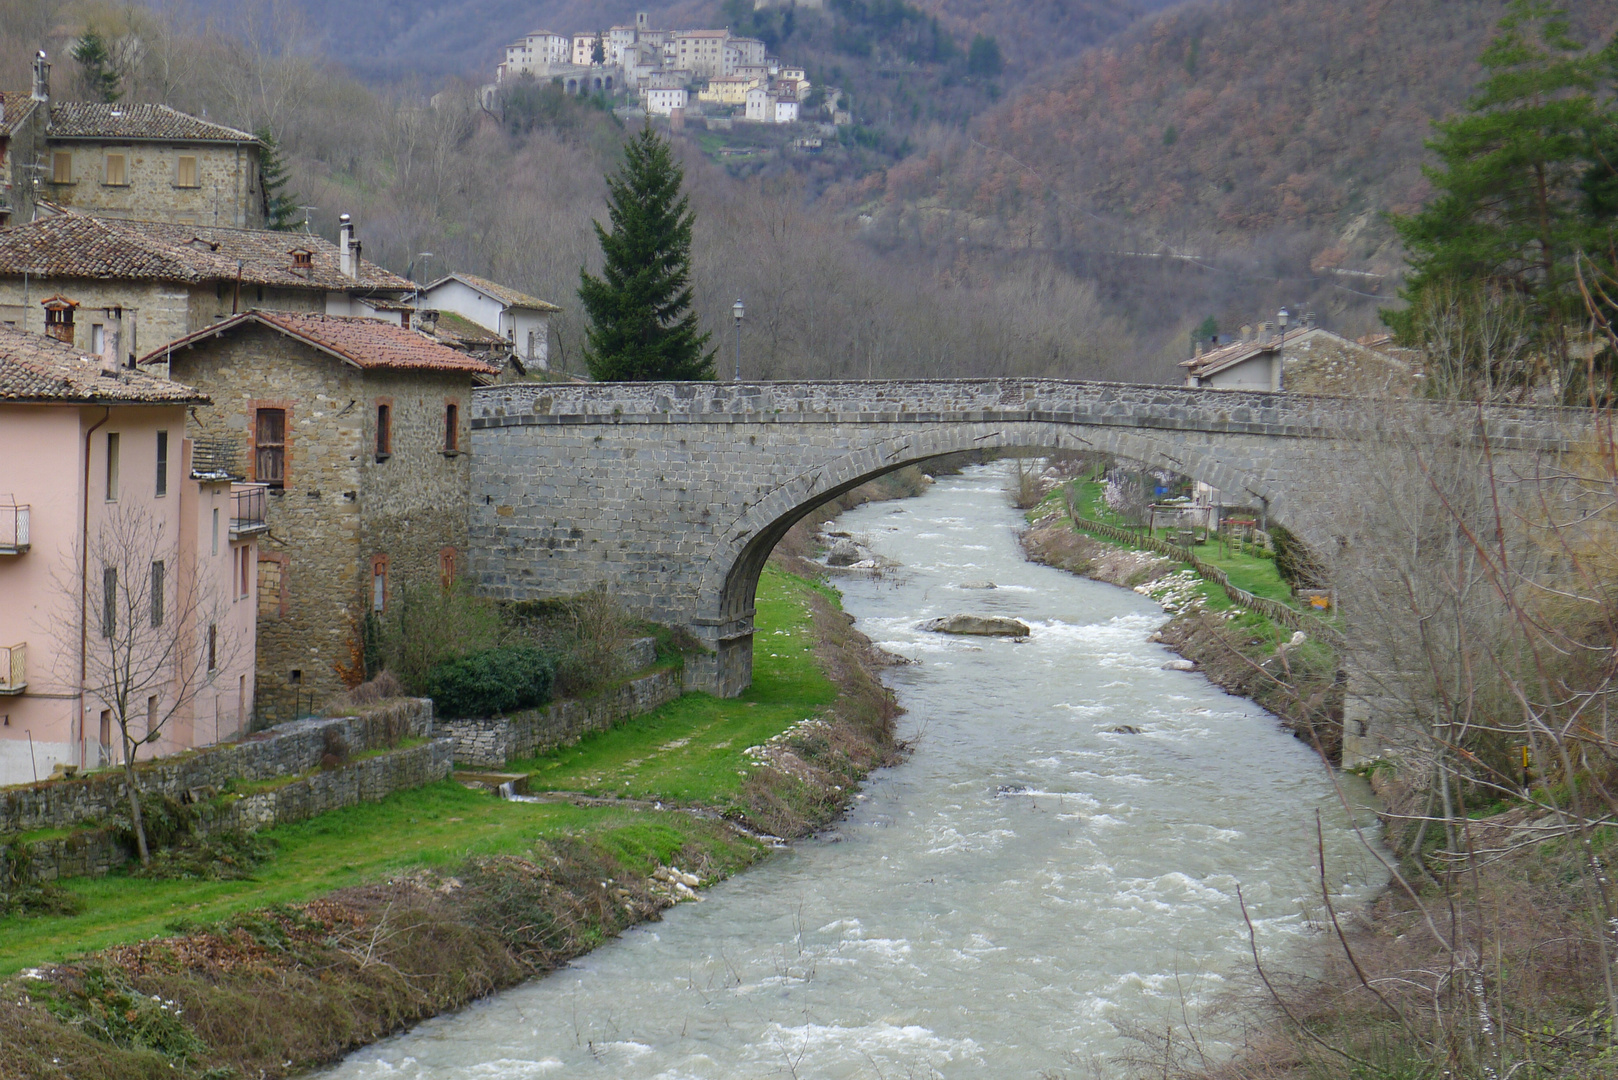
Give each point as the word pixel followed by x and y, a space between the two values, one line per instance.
pixel 1281 348
pixel 738 310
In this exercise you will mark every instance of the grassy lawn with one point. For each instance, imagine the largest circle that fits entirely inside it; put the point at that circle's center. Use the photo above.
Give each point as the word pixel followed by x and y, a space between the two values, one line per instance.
pixel 690 751
pixel 1257 575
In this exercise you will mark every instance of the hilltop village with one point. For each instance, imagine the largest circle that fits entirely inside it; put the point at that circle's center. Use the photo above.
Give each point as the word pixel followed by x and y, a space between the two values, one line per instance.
pixel 680 74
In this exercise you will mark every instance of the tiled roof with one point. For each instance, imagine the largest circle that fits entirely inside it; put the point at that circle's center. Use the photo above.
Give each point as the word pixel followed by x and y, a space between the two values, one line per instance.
pixel 365 343
pixel 509 297
pixel 35 368
pixel 94 120
pixel 18 104
pixel 79 246
pixel 459 330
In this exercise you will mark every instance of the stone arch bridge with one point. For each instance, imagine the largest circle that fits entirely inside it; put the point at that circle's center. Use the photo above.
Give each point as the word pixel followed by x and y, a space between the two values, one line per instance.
pixel 673 494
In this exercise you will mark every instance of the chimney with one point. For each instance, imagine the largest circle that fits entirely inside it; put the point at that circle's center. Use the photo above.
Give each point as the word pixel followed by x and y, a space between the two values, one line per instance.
pixel 42 77
pixel 1264 333
pixel 1308 320
pixel 347 252
pixel 1247 332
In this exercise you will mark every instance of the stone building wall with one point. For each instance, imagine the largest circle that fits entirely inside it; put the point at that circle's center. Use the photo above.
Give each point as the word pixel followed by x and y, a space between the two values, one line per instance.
pixel 340 509
pixel 311 593
pixel 160 310
pixel 285 750
pixel 96 852
pixel 491 743
pixel 414 506
pixel 227 193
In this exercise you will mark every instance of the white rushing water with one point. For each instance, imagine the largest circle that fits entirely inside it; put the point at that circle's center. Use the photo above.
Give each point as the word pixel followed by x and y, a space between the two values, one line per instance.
pixel 997 906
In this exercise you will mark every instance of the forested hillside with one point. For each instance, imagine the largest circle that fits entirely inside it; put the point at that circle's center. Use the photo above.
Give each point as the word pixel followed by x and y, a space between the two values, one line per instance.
pixel 1267 138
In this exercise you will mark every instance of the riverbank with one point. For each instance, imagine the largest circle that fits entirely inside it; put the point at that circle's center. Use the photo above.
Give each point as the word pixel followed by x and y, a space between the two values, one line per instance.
pixel 367 920
pixel 1240 651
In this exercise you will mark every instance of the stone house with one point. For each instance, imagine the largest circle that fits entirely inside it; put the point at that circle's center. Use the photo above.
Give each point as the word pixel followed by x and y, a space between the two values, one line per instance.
pixel 100 497
pixel 727 90
pixel 523 320
pixel 360 428
pixel 142 162
pixel 1305 360
pixel 537 53
pixel 136 286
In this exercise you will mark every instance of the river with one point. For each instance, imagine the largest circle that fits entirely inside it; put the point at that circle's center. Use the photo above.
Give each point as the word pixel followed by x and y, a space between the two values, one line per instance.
pixel 1026 882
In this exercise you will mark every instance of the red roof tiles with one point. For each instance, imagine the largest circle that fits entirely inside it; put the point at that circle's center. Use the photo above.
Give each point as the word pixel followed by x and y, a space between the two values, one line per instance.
pixel 365 343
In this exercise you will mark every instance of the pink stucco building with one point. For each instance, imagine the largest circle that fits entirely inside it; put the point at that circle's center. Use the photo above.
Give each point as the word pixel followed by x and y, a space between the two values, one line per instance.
pixel 115 555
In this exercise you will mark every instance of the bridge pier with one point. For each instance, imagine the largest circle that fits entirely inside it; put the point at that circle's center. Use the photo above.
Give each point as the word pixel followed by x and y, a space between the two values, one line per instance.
pixel 725 669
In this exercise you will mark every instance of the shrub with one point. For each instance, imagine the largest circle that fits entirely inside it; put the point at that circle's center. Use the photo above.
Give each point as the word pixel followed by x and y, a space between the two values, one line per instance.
pixel 428 626
pixel 491 682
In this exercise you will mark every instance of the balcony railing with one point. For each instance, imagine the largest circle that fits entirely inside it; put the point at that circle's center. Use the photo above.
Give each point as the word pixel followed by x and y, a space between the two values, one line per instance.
pixel 13 528
pixel 247 503
pixel 13 669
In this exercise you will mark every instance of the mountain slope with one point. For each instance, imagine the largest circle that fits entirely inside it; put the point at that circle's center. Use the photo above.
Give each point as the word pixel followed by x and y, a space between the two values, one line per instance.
pixel 1284 129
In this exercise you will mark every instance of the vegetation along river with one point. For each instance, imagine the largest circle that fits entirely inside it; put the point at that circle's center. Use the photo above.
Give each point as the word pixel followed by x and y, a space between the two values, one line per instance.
pixel 1028 880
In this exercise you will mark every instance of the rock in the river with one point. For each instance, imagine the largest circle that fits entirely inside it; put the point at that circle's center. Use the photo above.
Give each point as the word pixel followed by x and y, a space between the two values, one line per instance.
pixel 843 553
pixel 1124 729
pixel 1180 665
pixel 979 625
pixel 978 585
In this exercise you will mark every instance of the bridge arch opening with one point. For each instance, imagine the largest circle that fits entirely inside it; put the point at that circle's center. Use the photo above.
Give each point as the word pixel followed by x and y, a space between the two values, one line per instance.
pixel 729 594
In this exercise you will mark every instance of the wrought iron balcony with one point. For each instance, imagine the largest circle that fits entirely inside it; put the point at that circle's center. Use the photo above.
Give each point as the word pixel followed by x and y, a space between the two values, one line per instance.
pixel 247 504
pixel 13 528
pixel 13 669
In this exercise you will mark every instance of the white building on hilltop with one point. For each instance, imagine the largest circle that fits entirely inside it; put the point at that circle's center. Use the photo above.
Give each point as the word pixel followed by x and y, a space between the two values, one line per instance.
pixel 537 54
pixel 663 101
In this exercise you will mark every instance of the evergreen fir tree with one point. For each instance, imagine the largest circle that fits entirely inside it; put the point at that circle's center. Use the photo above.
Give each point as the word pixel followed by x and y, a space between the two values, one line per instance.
pixel 280 205
pixel 1518 192
pixel 641 324
pixel 96 69
pixel 598 51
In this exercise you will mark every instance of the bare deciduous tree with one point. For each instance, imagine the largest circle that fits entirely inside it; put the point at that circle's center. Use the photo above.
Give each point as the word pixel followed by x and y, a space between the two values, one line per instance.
pixel 155 635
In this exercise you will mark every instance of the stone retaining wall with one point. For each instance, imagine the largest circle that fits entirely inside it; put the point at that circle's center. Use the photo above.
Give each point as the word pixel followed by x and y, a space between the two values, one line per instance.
pixel 491 743
pixel 284 750
pixel 95 852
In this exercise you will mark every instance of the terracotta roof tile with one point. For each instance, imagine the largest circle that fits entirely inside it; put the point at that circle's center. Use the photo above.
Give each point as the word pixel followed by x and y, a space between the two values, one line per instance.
pixel 365 343
pixel 79 246
pixel 94 120
pixel 41 369
pixel 508 296
pixel 18 104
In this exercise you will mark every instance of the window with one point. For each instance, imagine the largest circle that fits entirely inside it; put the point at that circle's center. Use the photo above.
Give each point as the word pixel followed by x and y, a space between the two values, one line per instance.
pixel 446 567
pixel 151 715
pixel 216 530
pixel 384 432
pixel 246 582
pixel 272 583
pixel 295 677
pixel 106 733
pixel 109 601
pixel 452 428
pixel 185 175
pixel 379 583
pixel 117 171
pixel 159 572
pixel 213 646
pixel 98 338
pixel 112 466
pixel 59 318
pixel 61 167
pixel 162 464
pixel 270 447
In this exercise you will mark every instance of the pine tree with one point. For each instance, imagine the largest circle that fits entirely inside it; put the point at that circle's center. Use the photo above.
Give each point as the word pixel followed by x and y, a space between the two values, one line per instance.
pixel 96 69
pixel 598 51
pixel 1514 205
pixel 641 324
pixel 280 205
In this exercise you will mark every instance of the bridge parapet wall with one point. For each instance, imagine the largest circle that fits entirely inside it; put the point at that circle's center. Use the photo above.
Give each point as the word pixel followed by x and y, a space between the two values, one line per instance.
pixel 1092 403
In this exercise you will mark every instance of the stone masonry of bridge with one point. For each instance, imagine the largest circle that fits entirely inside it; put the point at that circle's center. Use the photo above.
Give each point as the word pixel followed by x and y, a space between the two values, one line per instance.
pixel 672 495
